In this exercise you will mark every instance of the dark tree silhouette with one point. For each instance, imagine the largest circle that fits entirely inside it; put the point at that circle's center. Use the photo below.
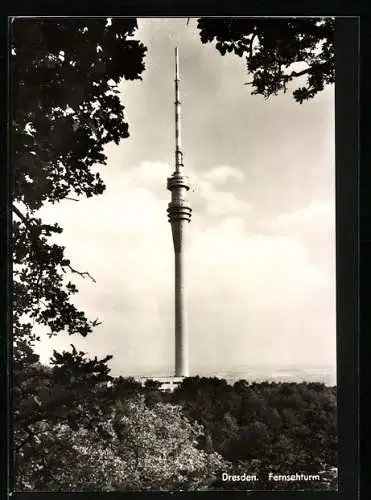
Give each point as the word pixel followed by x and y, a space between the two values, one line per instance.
pixel 271 46
pixel 64 109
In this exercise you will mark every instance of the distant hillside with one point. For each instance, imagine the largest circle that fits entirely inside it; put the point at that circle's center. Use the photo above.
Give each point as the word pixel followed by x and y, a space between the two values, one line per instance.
pixel 323 374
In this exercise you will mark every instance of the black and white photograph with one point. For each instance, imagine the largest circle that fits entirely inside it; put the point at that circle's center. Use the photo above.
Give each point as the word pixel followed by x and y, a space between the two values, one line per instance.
pixel 173 253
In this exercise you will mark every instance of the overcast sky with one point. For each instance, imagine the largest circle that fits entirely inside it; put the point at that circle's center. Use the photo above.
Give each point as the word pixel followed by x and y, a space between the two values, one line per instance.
pixel 260 250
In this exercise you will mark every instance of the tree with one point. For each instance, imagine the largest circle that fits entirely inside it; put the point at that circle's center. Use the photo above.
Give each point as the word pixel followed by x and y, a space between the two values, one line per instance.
pixel 64 109
pixel 272 46
pixel 62 459
pixel 144 449
pixel 257 427
pixel 75 391
pixel 160 448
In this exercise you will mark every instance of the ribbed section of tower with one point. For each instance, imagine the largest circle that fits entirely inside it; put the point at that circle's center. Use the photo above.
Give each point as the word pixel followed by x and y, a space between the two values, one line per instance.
pixel 179 214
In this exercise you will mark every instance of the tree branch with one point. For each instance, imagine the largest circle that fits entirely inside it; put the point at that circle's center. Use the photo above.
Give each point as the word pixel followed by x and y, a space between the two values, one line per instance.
pixel 80 273
pixel 31 229
pixel 294 74
pixel 310 69
pixel 22 217
pixel 254 35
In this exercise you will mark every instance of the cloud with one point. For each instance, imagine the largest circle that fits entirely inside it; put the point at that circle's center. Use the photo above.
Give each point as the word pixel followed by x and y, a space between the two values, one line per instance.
pixel 267 271
pixel 261 299
pixel 317 210
pixel 314 227
pixel 219 203
pixel 251 297
pixel 223 173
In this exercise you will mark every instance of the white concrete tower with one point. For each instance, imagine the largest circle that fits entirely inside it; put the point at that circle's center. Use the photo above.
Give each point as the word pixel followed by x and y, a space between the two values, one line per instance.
pixel 179 213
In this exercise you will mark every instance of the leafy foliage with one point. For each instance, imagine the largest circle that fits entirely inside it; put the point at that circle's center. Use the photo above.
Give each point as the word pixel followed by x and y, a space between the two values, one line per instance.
pixel 73 392
pixel 64 109
pixel 159 447
pixel 261 427
pixel 272 46
pixel 142 449
pixel 65 104
pixel 162 441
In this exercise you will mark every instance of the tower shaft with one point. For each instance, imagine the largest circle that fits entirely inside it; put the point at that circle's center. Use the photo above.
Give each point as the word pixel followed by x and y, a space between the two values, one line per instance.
pixel 179 213
pixel 181 337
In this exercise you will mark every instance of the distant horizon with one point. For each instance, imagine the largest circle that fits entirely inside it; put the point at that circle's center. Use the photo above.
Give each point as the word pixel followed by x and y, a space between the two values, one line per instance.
pixel 258 373
pixel 253 373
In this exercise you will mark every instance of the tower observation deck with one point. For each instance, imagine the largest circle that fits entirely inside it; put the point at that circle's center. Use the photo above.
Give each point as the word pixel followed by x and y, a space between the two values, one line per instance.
pixel 179 214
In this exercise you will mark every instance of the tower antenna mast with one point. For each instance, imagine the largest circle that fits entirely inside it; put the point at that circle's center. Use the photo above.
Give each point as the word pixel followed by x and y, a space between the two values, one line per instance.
pixel 178 130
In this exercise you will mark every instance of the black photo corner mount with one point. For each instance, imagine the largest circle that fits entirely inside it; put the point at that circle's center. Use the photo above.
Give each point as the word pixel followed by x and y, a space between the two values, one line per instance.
pixel 347 249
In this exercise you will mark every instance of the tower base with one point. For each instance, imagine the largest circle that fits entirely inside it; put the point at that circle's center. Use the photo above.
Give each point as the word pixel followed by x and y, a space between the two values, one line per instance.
pixel 168 384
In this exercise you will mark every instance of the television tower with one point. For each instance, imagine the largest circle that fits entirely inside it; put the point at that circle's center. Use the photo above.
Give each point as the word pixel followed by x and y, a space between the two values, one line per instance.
pixel 179 213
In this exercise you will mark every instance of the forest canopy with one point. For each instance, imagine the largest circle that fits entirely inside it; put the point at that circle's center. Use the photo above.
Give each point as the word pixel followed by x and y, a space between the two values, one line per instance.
pixel 111 433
